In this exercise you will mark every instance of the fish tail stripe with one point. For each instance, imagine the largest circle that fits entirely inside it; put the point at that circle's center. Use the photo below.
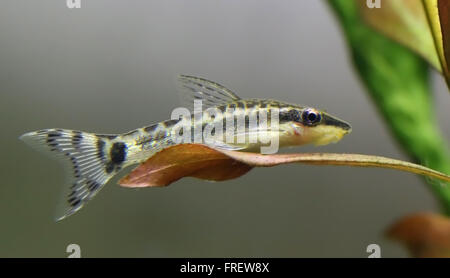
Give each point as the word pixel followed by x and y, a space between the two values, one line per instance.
pixel 90 161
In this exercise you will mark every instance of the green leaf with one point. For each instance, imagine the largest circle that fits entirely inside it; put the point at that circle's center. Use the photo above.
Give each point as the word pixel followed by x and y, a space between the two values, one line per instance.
pixel 397 81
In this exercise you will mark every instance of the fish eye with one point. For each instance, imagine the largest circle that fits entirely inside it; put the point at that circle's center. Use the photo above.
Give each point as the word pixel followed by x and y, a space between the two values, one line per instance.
pixel 311 116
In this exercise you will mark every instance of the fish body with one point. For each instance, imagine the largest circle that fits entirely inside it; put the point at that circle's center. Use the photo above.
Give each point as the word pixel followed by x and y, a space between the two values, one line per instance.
pixel 224 121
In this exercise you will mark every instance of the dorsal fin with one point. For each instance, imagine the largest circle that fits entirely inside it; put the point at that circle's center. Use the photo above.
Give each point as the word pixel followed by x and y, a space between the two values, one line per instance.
pixel 212 94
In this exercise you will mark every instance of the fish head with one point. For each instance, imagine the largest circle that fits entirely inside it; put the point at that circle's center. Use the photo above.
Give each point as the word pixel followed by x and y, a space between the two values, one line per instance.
pixel 311 126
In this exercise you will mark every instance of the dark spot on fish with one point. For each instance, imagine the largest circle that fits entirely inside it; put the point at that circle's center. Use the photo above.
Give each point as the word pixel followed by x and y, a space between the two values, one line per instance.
pixel 92 185
pixel 198 84
pixel 284 117
pixel 118 152
pixel 77 135
pixel 53 134
pixel 109 167
pixel 250 104
pixel 75 202
pixel 150 128
pixel 224 123
pixel 290 116
pixel 100 149
pixel 51 139
pixel 240 105
pixel 76 139
pixel 222 108
pixel 232 105
pixel 76 169
pixel 170 123
pixel 295 115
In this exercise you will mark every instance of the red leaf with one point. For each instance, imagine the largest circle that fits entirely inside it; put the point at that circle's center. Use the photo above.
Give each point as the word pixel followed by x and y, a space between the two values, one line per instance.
pixel 424 234
pixel 187 160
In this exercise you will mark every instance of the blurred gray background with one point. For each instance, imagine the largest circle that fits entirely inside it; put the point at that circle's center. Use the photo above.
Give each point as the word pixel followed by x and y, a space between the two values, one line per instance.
pixel 111 66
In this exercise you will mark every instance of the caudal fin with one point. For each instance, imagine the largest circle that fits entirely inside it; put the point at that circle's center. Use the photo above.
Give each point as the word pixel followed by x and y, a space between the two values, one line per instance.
pixel 88 162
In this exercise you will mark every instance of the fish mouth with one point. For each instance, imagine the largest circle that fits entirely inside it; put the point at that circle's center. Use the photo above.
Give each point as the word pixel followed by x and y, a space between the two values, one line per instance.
pixel 332 121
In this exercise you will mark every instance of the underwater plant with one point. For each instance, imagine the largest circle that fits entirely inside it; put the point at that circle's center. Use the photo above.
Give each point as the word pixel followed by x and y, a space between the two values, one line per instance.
pixel 393 48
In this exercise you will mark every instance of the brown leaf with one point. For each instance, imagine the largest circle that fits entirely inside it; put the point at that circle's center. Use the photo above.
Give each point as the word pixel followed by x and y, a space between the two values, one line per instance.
pixel 406 22
pixel 195 160
pixel 421 25
pixel 438 12
pixel 426 235
pixel 444 14
pixel 187 160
